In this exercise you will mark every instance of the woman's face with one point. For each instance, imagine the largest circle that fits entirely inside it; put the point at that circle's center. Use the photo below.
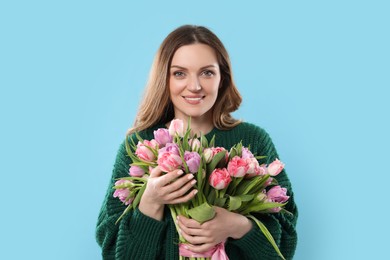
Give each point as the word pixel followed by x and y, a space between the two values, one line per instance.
pixel 194 79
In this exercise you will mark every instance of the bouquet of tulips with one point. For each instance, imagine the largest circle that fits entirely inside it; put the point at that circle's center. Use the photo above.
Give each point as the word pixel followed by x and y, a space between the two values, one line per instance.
pixel 233 179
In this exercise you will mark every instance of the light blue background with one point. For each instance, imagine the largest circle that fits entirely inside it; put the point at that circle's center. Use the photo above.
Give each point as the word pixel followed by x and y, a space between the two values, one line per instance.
pixel 314 74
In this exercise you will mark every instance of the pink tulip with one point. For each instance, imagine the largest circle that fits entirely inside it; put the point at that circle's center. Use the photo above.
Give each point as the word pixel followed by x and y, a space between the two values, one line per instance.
pixel 275 167
pixel 220 179
pixel 169 161
pixel 220 149
pixel 176 126
pixel 277 194
pixel 261 170
pixel 162 136
pixel 193 161
pixel 136 171
pixel 253 166
pixel 208 155
pixel 123 193
pixel 170 148
pixel 144 153
pixel 194 143
pixel 237 167
pixel 246 153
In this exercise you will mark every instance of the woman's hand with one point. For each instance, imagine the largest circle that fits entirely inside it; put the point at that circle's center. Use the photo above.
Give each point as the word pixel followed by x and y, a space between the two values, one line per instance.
pixel 225 224
pixel 161 189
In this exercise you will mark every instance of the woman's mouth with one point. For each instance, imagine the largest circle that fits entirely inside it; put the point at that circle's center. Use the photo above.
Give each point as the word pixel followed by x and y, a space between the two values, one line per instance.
pixel 193 99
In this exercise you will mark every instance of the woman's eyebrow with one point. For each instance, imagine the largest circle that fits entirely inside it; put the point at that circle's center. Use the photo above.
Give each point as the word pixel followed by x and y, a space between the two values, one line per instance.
pixel 204 67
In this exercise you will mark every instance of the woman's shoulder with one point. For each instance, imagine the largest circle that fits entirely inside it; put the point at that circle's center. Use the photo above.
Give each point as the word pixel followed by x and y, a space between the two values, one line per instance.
pixel 251 129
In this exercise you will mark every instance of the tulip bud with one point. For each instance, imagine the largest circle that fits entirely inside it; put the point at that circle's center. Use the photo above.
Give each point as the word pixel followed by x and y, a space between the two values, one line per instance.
pixel 208 154
pixel 275 167
pixel 176 126
pixel 136 171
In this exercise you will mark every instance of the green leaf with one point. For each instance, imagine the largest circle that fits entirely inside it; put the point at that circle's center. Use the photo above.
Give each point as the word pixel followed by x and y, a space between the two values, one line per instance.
pixel 211 166
pixel 138 197
pixel 239 148
pixel 234 203
pixel 246 197
pixel 267 234
pixel 129 207
pixel 258 207
pixel 220 202
pixel 202 213
pixel 212 142
pixel 204 142
pixel 233 152
pixel 139 137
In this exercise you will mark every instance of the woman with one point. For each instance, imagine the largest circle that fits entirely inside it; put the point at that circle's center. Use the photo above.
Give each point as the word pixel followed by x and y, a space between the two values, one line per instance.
pixel 191 77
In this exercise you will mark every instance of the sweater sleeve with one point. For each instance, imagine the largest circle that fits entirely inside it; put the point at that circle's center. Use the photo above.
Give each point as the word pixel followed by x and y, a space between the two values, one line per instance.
pixel 254 245
pixel 136 236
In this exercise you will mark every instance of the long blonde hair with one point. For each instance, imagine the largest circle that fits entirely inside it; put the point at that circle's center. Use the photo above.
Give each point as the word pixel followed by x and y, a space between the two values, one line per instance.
pixel 156 106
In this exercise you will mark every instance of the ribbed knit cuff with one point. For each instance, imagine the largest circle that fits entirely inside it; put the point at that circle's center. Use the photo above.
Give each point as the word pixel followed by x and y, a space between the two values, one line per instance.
pixel 142 224
pixel 143 237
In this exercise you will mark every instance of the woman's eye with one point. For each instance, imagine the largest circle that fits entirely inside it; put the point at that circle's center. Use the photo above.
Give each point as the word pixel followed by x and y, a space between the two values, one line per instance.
pixel 178 74
pixel 208 73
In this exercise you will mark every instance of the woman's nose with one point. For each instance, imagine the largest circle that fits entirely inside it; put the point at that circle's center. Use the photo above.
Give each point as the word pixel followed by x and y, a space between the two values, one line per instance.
pixel 194 84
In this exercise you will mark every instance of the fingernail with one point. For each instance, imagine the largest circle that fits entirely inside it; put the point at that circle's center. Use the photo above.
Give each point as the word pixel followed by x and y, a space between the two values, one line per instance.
pixel 186 247
pixel 195 191
pixel 179 230
pixel 190 176
pixel 193 182
pixel 180 172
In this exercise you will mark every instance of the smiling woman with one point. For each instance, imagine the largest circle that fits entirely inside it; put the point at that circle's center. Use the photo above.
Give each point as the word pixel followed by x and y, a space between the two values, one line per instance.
pixel 193 84
pixel 191 78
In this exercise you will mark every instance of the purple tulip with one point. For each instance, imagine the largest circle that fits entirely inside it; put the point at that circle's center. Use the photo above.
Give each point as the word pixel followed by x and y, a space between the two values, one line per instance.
pixel 162 136
pixel 193 161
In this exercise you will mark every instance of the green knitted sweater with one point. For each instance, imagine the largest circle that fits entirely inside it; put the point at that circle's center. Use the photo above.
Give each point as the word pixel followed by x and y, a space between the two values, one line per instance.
pixel 138 236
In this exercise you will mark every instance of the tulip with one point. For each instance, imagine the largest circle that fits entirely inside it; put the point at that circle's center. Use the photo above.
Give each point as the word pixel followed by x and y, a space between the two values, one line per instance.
pixel 192 160
pixel 208 155
pixel 261 170
pixel 246 153
pixel 275 167
pixel 195 144
pixel 220 149
pixel 253 166
pixel 136 171
pixel 176 127
pixel 170 148
pixel 277 194
pixel 237 167
pixel 123 193
pixel 143 150
pixel 162 136
pixel 169 161
pixel 220 179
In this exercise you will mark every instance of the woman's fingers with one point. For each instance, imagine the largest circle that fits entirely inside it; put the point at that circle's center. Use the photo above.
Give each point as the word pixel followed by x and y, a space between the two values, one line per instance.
pixel 200 248
pixel 180 188
pixel 185 198
pixel 189 223
pixel 172 187
pixel 178 183
pixel 169 177
pixel 194 240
